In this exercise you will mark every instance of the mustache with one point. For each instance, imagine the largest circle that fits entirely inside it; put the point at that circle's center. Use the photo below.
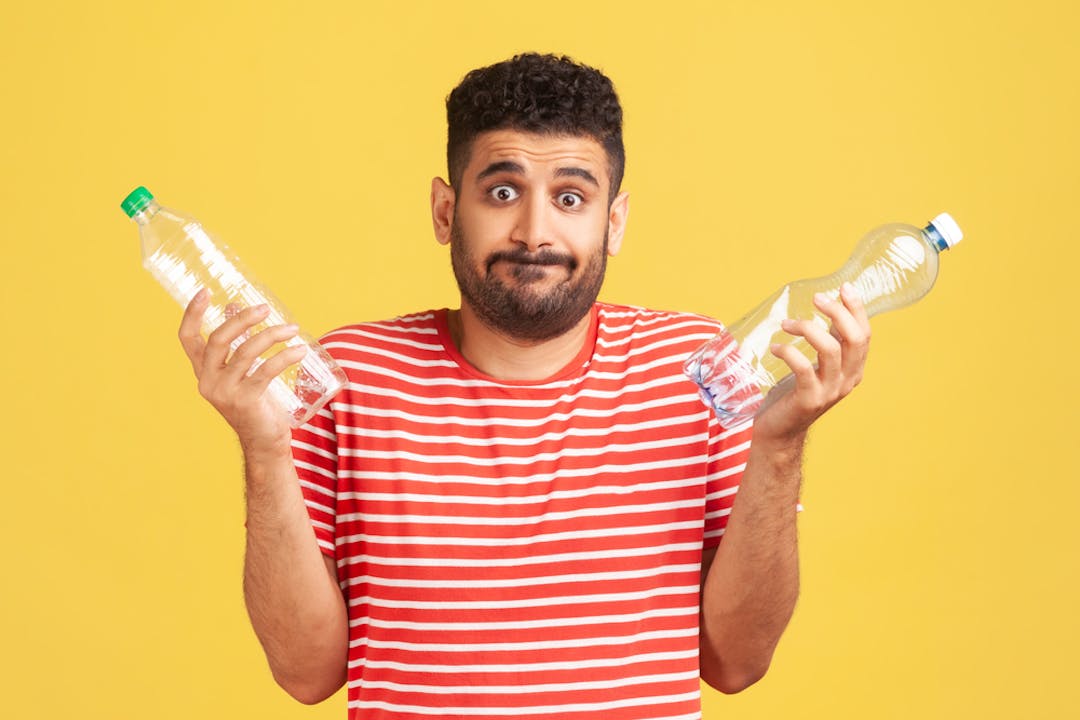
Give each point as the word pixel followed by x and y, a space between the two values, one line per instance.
pixel 524 257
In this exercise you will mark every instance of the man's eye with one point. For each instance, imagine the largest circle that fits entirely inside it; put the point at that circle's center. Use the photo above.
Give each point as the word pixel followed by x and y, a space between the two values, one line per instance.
pixel 503 193
pixel 570 200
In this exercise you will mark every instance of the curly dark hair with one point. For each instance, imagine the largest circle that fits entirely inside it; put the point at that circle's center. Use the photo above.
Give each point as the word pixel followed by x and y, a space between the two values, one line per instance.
pixel 535 93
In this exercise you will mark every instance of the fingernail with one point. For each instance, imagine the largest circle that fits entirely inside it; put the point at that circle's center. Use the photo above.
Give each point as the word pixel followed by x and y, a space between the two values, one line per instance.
pixel 293 328
pixel 202 294
pixel 774 348
pixel 847 288
pixel 821 298
pixel 787 324
pixel 262 309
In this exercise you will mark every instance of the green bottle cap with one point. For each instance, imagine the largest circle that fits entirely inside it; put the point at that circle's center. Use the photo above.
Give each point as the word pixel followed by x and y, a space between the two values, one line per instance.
pixel 136 201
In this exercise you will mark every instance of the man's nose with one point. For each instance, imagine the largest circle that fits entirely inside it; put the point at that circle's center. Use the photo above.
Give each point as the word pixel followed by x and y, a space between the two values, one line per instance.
pixel 533 226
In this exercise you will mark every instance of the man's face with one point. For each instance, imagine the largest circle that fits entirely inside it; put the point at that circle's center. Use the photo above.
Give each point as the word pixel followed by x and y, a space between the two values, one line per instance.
pixel 529 237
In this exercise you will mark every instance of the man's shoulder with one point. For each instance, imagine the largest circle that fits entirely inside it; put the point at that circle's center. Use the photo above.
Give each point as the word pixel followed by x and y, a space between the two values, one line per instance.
pixel 650 335
pixel 635 319
pixel 416 329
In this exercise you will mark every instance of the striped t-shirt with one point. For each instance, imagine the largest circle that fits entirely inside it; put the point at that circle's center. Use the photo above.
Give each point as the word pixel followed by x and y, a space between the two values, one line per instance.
pixel 520 549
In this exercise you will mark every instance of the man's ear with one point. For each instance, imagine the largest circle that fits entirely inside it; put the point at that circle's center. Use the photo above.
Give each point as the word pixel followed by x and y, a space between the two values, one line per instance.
pixel 442 209
pixel 617 216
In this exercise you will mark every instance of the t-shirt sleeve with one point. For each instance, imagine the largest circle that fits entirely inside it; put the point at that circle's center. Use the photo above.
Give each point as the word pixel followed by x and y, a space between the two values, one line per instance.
pixel 314 449
pixel 728 450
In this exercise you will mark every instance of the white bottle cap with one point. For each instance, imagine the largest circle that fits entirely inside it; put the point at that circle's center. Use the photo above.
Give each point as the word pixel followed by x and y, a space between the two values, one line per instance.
pixel 948 228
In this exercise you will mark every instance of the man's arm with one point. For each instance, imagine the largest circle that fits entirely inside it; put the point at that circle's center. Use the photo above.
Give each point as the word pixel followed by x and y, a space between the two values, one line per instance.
pixel 291 591
pixel 290 587
pixel 751 581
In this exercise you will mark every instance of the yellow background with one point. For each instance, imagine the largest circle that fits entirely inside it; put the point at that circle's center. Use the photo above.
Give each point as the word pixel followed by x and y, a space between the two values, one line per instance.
pixel 939 543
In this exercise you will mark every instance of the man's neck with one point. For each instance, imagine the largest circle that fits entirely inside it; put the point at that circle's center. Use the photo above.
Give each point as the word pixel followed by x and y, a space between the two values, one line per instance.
pixel 510 359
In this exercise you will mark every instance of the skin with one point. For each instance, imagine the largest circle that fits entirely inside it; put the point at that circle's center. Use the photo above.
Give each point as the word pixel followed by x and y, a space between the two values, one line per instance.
pixel 751 581
pixel 529 193
pixel 290 587
pixel 500 208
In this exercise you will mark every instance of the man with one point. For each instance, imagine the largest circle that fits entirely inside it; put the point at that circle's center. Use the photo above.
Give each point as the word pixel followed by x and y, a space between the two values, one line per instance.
pixel 518 506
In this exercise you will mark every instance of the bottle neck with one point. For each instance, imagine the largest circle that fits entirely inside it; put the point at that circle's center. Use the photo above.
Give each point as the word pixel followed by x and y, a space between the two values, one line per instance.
pixel 143 216
pixel 935 238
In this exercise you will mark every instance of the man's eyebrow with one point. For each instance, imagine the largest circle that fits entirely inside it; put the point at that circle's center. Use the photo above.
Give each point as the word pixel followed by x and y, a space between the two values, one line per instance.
pixel 577 172
pixel 502 166
pixel 509 166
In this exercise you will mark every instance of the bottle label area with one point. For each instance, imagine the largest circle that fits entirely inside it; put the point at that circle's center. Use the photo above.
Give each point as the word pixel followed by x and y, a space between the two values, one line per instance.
pixel 726 379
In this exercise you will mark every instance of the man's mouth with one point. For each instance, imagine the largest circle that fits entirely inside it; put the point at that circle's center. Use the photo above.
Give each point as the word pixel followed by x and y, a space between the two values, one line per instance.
pixel 537 260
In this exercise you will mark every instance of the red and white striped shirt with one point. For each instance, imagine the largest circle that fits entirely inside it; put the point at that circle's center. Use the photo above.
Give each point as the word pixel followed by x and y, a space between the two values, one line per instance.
pixel 521 549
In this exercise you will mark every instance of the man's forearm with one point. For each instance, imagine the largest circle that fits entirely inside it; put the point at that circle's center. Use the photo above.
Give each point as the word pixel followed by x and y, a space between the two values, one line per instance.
pixel 750 591
pixel 295 605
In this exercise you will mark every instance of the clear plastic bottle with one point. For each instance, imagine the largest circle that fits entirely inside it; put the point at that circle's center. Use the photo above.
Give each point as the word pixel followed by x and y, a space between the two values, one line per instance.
pixel 184 259
pixel 892 266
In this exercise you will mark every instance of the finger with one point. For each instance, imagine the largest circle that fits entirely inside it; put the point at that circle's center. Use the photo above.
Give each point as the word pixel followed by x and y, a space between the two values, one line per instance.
pixel 801 368
pixel 234 309
pixel 855 334
pixel 191 328
pixel 241 361
pixel 854 303
pixel 845 327
pixel 220 341
pixel 824 344
pixel 265 374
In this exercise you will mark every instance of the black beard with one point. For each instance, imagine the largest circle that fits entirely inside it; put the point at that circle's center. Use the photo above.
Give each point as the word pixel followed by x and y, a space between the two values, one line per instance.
pixel 520 312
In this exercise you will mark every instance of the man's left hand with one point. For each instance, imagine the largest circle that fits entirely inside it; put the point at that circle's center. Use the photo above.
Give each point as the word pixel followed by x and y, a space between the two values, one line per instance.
pixel 841 352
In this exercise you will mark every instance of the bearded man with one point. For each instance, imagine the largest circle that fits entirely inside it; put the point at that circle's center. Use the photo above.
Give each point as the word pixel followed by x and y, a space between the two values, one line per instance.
pixel 521 508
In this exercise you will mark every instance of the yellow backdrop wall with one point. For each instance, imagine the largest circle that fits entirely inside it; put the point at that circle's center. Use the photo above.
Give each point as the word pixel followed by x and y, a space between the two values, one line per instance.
pixel 940 550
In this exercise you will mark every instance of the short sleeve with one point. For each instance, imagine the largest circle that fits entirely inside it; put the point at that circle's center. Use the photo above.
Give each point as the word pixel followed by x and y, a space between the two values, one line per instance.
pixel 314 449
pixel 728 451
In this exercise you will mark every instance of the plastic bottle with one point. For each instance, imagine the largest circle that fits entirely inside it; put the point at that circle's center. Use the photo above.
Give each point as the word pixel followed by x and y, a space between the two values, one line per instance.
pixel 184 258
pixel 892 266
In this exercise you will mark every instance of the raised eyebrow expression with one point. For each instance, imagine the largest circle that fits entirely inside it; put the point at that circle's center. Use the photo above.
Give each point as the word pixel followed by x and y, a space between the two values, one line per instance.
pixel 509 166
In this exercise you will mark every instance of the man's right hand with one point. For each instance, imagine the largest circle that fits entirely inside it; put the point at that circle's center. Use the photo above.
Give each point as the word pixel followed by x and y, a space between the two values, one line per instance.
pixel 228 382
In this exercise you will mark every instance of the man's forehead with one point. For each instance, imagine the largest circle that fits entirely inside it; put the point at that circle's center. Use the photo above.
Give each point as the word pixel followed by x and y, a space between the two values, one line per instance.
pixel 544 152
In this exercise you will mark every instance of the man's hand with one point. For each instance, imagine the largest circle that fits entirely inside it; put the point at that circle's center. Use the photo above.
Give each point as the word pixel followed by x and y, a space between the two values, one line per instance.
pixel 229 384
pixel 841 351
